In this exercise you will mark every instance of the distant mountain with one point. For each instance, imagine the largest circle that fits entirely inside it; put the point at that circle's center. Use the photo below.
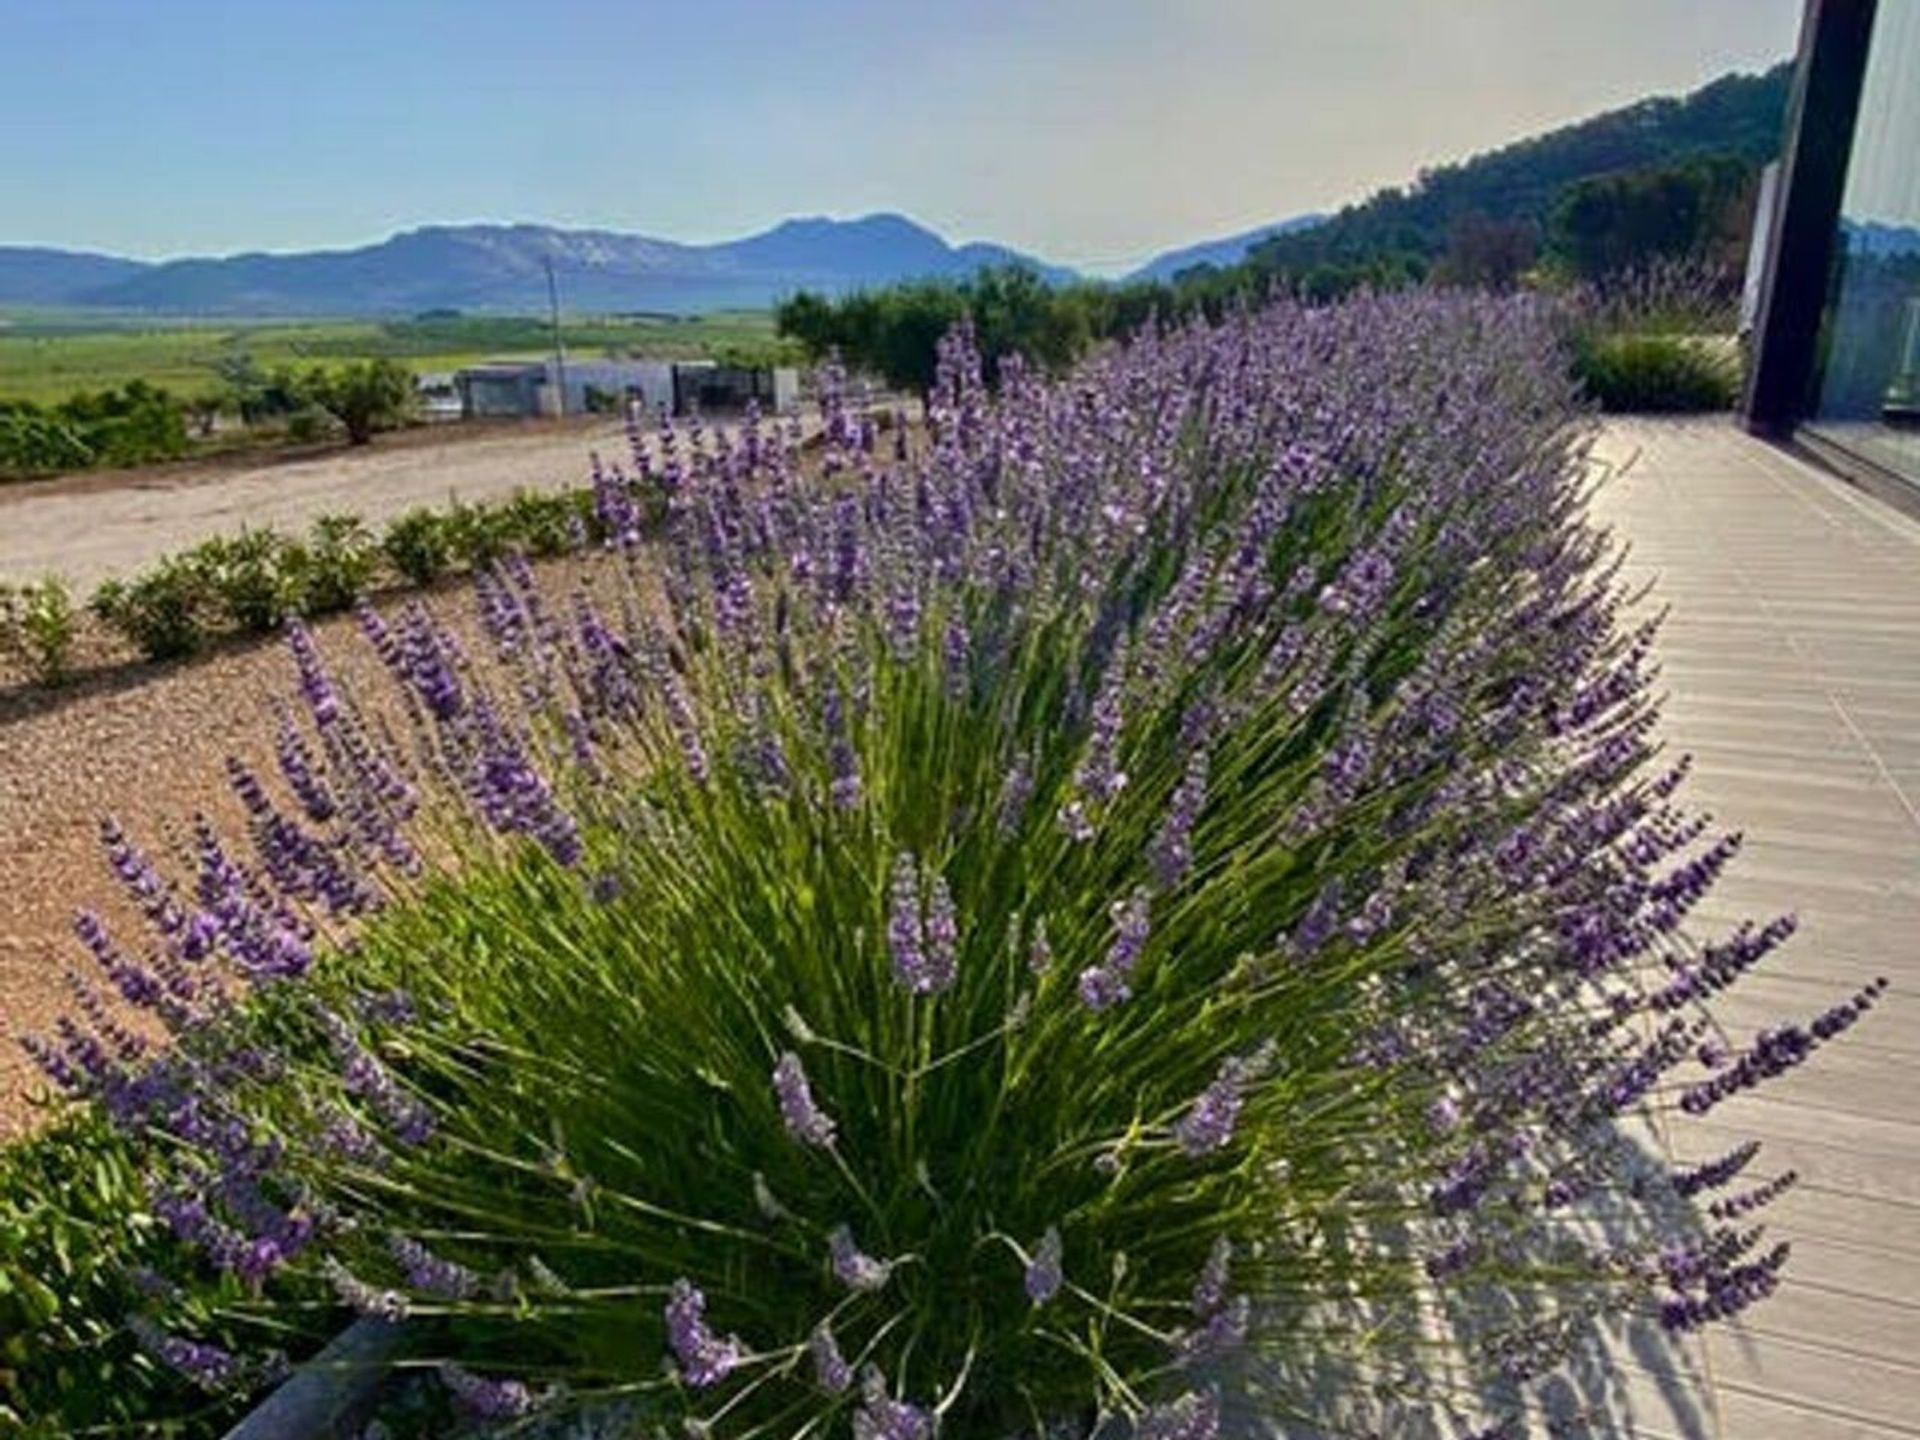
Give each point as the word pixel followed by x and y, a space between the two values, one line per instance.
pixel 503 267
pixel 30 275
pixel 1736 115
pixel 1229 250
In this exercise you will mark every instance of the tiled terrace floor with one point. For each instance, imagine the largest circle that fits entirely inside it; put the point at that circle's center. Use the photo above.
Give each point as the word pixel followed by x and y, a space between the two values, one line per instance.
pixel 1792 664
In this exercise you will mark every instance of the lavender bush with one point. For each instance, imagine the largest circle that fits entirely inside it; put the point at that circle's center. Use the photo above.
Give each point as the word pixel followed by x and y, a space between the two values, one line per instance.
pixel 1156 893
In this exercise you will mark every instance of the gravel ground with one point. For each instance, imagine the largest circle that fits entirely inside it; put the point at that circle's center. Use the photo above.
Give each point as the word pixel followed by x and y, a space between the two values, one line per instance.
pixel 147 745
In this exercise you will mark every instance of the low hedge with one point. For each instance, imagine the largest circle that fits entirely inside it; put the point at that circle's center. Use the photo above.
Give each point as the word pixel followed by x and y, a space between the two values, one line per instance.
pixel 253 582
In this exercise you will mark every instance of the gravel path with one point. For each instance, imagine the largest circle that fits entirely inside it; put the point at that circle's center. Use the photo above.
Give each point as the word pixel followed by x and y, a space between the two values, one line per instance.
pixel 90 527
pixel 146 745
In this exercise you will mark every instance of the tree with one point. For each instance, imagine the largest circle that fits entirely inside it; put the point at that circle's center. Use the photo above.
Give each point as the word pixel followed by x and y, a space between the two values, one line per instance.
pixel 1625 221
pixel 1487 254
pixel 365 397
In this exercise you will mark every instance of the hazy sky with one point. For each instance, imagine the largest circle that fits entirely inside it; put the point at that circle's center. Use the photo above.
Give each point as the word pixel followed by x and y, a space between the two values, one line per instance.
pixel 1093 132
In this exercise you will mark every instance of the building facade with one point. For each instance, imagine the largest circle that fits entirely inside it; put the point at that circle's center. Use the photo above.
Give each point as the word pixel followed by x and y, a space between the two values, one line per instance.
pixel 1836 341
pixel 525 388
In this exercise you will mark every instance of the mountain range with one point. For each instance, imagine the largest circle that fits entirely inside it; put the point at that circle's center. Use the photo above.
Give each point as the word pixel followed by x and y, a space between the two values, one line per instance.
pixel 504 268
pixel 1228 250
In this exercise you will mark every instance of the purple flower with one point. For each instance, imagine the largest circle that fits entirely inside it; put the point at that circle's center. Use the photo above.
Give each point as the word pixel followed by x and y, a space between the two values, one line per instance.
pixel 705 1359
pixel 1210 1290
pixel 207 1366
pixel 1209 1124
pixel 1043 1273
pixel 1193 1416
pixel 880 1417
pixel 1105 985
pixel 922 944
pixel 805 1121
pixel 360 1297
pixel 443 1279
pixel 852 1266
pixel 830 1367
pixel 1171 853
pixel 485 1398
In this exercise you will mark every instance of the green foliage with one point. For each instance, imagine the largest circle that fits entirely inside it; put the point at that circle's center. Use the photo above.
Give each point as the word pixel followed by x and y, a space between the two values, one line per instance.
pixel 335 566
pixel 476 535
pixel 37 623
pixel 1487 254
pixel 541 525
pixel 33 442
pixel 163 612
pixel 253 581
pixel 895 332
pixel 365 397
pixel 417 546
pixel 1625 221
pixel 1738 116
pixel 135 425
pixel 81 1253
pixel 1635 372
pixel 246 573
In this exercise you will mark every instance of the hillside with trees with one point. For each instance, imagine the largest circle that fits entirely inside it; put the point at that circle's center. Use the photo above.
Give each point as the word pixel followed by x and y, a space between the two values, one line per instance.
pixel 1665 180
pixel 1410 230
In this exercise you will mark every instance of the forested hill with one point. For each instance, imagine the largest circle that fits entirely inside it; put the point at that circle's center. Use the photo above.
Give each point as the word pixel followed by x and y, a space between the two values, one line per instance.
pixel 1736 116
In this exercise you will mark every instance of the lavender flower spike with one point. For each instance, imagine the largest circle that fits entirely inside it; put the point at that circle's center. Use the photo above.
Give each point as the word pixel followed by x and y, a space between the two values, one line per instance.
pixel 483 1398
pixel 922 943
pixel 856 1269
pixel 705 1359
pixel 805 1120
pixel 1208 1126
pixel 1192 1417
pixel 830 1367
pixel 882 1417
pixel 1044 1277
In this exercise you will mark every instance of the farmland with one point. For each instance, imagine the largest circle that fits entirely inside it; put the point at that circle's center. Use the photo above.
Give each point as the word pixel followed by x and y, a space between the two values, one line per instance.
pixel 49 355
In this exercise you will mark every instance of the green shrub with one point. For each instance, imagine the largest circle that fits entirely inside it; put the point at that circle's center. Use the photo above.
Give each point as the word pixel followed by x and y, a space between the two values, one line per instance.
pixel 477 535
pixel 248 574
pixel 81 1253
pixel 33 442
pixel 37 621
pixel 165 611
pixel 365 397
pixel 540 525
pixel 1632 372
pixel 417 545
pixel 135 425
pixel 964 951
pixel 308 424
pixel 334 567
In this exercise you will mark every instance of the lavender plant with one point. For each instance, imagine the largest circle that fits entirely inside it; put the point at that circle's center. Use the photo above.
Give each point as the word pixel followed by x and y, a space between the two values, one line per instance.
pixel 1159 888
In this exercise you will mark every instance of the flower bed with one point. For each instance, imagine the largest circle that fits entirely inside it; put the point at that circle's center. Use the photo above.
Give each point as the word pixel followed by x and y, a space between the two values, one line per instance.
pixel 1161 894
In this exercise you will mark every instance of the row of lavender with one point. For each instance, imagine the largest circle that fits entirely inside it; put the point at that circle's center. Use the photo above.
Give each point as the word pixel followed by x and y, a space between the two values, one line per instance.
pixel 1156 892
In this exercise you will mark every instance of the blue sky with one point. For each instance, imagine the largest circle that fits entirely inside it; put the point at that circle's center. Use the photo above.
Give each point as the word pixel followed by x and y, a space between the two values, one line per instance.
pixel 1093 132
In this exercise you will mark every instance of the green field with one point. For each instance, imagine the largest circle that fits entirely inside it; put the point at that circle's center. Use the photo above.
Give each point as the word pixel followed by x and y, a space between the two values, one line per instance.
pixel 48 355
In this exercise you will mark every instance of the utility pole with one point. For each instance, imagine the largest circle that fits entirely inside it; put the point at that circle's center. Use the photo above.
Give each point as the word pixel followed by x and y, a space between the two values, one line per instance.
pixel 559 346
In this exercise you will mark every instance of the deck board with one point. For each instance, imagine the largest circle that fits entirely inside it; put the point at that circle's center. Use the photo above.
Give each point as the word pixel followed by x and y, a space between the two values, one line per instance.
pixel 1792 660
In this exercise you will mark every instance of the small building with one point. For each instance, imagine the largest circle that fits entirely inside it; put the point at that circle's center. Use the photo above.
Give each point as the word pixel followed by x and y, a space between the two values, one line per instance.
pixel 712 388
pixel 503 390
pixel 520 389
pixel 437 393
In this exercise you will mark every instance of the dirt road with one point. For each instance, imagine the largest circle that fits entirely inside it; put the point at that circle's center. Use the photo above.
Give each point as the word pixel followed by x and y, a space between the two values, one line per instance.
pixel 87 528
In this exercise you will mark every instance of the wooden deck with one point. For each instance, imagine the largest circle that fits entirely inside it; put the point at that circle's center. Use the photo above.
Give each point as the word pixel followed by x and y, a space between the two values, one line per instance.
pixel 1792 663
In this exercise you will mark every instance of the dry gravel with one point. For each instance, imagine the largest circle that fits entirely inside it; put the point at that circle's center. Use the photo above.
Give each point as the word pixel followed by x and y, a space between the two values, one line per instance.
pixel 147 745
